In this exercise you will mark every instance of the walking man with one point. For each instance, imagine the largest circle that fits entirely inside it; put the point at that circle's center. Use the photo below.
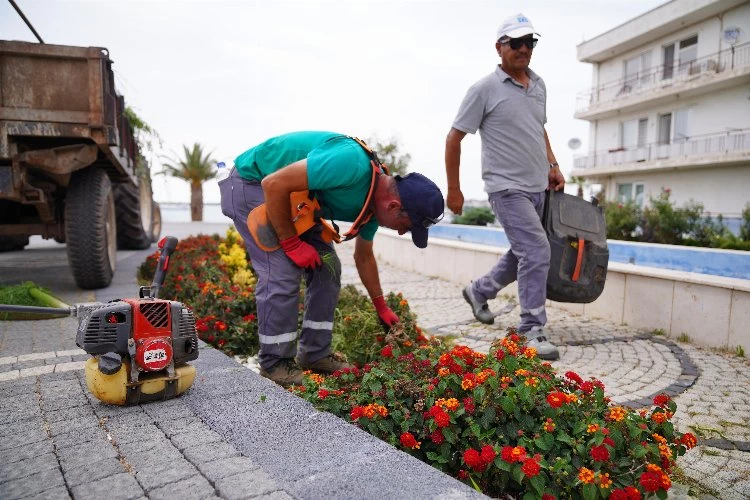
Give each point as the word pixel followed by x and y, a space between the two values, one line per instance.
pixel 339 172
pixel 508 107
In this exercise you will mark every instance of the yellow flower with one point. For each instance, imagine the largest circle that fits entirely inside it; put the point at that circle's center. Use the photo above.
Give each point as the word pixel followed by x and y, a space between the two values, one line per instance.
pixel 604 481
pixel 449 404
pixel 617 413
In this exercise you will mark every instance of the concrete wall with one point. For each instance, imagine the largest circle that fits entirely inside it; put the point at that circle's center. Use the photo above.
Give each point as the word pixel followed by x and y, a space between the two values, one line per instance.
pixel 712 311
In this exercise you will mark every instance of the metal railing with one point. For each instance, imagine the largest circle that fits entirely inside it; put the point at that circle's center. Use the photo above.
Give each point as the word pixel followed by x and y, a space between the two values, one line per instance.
pixel 663 76
pixel 718 144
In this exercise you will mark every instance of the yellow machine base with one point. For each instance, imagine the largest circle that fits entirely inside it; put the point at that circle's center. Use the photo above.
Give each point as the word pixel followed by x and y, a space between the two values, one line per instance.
pixel 113 389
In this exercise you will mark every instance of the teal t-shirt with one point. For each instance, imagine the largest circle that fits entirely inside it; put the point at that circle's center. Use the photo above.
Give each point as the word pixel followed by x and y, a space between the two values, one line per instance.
pixel 338 170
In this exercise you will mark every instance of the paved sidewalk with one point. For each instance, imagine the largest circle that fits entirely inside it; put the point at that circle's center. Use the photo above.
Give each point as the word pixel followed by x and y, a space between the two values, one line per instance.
pixel 236 435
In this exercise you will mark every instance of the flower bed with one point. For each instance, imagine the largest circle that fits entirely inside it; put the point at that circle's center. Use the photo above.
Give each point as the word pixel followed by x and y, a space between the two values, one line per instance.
pixel 504 422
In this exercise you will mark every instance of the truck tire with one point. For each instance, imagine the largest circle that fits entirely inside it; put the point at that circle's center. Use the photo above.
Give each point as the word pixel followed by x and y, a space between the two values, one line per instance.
pixel 11 243
pixel 134 208
pixel 91 228
pixel 156 226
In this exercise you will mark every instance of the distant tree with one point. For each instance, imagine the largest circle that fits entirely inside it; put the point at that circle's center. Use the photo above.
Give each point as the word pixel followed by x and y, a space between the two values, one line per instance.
pixel 745 225
pixel 580 182
pixel 195 167
pixel 146 137
pixel 475 216
pixel 388 153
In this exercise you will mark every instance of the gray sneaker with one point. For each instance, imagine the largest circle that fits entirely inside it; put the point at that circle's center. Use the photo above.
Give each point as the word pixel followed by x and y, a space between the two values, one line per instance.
pixel 481 310
pixel 544 348
pixel 285 373
pixel 325 366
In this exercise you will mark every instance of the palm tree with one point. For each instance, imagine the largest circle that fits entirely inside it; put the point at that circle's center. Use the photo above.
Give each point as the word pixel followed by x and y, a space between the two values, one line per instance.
pixel 195 168
pixel 581 182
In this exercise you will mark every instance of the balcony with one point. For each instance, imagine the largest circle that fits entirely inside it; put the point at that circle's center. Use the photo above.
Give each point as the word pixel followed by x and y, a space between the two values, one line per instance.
pixel 724 148
pixel 694 77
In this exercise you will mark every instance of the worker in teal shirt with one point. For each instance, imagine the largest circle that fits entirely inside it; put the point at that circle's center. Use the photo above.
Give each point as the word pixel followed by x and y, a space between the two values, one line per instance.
pixel 339 171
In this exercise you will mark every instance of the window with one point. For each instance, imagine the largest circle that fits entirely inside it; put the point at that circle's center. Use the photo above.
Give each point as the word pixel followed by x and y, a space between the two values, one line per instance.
pixel 686 52
pixel 634 133
pixel 674 127
pixel 631 191
pixel 636 71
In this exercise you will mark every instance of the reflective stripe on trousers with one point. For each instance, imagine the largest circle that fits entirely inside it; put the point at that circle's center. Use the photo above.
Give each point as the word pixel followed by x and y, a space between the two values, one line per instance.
pixel 528 259
pixel 278 286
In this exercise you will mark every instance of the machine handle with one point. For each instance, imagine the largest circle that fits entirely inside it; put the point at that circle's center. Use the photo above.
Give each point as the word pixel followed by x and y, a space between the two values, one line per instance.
pixel 167 246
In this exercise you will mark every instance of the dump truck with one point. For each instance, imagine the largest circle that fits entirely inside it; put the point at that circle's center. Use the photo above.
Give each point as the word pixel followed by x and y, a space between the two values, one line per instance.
pixel 70 167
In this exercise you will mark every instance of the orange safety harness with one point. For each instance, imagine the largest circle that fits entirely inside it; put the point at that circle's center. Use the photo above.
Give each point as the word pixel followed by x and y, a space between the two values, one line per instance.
pixel 306 212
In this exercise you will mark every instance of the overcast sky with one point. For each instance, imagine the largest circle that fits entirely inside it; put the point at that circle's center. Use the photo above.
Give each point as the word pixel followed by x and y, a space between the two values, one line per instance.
pixel 231 74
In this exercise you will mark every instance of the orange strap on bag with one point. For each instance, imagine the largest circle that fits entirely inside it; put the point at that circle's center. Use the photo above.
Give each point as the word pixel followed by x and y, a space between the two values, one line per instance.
pixel 306 212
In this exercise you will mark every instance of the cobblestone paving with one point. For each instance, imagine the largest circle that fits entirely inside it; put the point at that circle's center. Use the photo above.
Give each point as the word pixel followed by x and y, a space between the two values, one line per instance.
pixel 711 389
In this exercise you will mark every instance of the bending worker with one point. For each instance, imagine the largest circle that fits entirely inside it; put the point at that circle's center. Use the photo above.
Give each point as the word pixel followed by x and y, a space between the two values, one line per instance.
pixel 344 177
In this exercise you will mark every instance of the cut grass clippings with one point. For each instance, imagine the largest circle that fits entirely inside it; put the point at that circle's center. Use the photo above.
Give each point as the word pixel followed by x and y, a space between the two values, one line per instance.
pixel 29 294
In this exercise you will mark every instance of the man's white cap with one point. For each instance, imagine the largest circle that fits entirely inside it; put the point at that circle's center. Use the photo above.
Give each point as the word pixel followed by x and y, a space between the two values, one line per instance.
pixel 516 27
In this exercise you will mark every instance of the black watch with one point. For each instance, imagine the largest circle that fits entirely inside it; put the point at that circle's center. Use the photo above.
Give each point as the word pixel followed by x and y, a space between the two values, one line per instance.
pixel 553 165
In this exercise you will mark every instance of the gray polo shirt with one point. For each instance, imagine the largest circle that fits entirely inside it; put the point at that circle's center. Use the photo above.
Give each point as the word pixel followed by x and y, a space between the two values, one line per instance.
pixel 511 122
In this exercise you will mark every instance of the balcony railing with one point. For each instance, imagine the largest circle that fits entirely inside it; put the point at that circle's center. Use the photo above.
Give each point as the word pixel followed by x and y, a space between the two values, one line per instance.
pixel 718 144
pixel 663 76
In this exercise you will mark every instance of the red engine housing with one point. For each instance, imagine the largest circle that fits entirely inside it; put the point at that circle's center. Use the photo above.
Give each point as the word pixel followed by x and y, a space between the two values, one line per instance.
pixel 152 333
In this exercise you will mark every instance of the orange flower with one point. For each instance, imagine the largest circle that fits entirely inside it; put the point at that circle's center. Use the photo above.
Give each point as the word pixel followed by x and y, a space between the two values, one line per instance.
pixel 659 417
pixel 688 440
pixel 592 428
pixel 617 414
pixel 586 476
pixel 531 382
pixel 443 371
pixel 451 404
pixel 549 425
pixel 604 481
pixel 529 352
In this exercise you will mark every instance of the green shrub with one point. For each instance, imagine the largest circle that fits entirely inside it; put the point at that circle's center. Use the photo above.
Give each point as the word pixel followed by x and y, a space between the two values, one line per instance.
pixel 475 216
pixel 745 225
pixel 623 220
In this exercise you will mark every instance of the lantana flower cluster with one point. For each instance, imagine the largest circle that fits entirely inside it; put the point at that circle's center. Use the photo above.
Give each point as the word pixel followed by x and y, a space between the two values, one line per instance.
pixel 211 275
pixel 504 422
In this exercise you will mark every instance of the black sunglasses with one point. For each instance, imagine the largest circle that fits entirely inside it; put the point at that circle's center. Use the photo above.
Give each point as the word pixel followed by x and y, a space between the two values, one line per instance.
pixel 516 43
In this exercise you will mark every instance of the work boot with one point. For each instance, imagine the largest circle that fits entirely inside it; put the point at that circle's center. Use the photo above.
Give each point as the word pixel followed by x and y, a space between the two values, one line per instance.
pixel 327 365
pixel 285 373
pixel 481 310
pixel 544 348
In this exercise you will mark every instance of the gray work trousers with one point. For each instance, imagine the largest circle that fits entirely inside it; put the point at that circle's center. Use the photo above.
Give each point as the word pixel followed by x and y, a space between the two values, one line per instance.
pixel 278 287
pixel 528 259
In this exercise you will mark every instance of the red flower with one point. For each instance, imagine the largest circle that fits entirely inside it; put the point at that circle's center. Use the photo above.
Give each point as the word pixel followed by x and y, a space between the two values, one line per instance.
pixel 442 419
pixel 222 342
pixel 530 467
pixel 387 351
pixel 408 441
pixel 574 377
pixel 473 459
pixel 608 440
pixel 547 496
pixel 211 338
pixel 556 399
pixel 600 453
pixel 220 326
pixel 323 393
pixel 587 387
pixel 688 440
pixel 488 454
pixel 437 437
pixel 661 400
pixel 462 474
pixel 248 317
pixel 469 405
pixel 651 481
pixel 499 354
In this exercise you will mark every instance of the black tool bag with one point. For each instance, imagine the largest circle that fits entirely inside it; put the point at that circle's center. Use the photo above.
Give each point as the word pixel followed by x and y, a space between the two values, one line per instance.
pixel 578 239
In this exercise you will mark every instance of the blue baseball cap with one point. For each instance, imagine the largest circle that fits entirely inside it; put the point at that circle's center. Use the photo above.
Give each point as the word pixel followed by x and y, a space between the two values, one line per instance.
pixel 424 203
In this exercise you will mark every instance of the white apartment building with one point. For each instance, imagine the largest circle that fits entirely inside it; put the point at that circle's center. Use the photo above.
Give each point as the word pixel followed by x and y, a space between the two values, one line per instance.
pixel 669 106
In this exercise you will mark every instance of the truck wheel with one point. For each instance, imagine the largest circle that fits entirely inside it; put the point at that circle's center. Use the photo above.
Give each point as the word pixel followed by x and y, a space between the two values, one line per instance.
pixel 156 226
pixel 91 228
pixel 134 208
pixel 11 243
